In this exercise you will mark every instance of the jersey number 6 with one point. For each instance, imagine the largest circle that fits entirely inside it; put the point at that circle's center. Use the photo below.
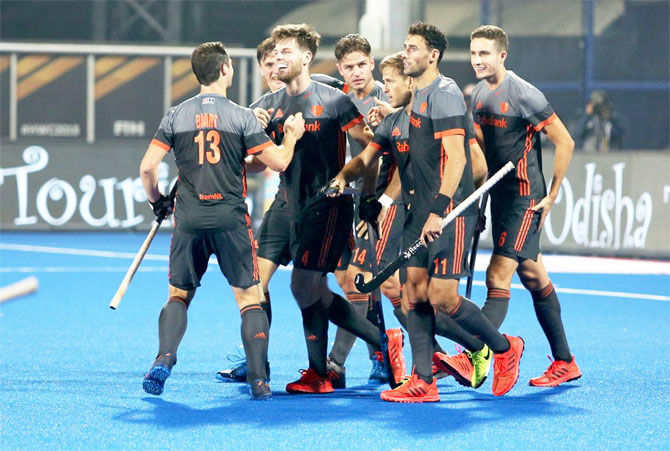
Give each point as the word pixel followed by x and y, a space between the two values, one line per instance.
pixel 214 153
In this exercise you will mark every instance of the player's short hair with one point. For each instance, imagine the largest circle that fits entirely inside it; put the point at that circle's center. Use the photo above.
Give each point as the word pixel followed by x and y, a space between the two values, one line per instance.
pixel 264 49
pixel 304 34
pixel 434 38
pixel 493 33
pixel 393 62
pixel 352 43
pixel 206 61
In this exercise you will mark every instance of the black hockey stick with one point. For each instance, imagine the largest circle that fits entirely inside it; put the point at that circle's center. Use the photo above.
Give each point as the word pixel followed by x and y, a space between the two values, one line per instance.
pixel 387 272
pixel 475 243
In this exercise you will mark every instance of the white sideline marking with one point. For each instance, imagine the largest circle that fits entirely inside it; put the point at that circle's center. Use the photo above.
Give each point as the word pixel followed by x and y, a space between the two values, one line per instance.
pixel 554 263
pixel 33 269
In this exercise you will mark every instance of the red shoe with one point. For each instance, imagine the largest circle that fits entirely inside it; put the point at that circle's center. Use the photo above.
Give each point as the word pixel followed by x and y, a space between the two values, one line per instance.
pixel 395 344
pixel 439 372
pixel 458 365
pixel 310 382
pixel 506 366
pixel 557 373
pixel 412 390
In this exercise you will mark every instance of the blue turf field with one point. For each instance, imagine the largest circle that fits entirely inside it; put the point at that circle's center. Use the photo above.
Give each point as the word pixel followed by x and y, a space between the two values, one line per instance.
pixel 71 369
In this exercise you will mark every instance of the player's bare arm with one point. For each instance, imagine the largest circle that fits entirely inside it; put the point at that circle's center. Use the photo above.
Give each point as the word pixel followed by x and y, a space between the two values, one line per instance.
pixel 355 169
pixel 560 137
pixel 479 166
pixel 278 158
pixel 361 133
pixel 149 171
pixel 454 146
pixel 391 193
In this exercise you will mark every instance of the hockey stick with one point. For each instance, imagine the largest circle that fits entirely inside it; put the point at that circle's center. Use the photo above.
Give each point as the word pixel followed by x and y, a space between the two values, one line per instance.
pixel 116 300
pixel 385 273
pixel 379 313
pixel 326 190
pixel 475 244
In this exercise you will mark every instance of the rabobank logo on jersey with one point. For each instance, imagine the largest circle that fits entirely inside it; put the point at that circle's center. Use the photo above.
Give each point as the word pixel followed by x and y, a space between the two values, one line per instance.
pixel 208 101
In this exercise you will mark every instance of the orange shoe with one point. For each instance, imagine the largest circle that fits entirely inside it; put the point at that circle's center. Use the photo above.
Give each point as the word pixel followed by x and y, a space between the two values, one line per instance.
pixel 310 382
pixel 506 366
pixel 439 372
pixel 412 390
pixel 458 365
pixel 557 373
pixel 395 344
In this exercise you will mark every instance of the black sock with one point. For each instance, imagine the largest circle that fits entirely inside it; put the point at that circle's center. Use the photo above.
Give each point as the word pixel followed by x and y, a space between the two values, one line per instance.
pixel 372 317
pixel 446 326
pixel 421 323
pixel 255 331
pixel 172 323
pixel 495 307
pixel 267 308
pixel 315 325
pixel 548 312
pixel 471 318
pixel 343 315
pixel 344 340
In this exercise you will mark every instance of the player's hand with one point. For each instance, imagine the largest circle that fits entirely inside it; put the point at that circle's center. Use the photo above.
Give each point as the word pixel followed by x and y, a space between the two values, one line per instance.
pixel 374 117
pixel 263 116
pixel 162 207
pixel 385 108
pixel 432 229
pixel 295 124
pixel 543 208
pixel 336 186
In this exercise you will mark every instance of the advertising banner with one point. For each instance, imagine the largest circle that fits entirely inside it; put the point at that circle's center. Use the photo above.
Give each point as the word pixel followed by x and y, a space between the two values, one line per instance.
pixel 609 204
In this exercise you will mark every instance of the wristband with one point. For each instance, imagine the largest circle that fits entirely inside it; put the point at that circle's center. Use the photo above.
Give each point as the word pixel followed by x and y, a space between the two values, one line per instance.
pixel 440 204
pixel 385 200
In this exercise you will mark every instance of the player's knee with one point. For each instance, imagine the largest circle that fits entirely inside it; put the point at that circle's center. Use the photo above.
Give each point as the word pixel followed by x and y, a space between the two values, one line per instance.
pixel 391 288
pixel 532 283
pixel 444 299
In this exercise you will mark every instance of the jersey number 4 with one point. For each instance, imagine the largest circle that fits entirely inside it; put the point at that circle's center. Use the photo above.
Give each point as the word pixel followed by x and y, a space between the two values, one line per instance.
pixel 213 154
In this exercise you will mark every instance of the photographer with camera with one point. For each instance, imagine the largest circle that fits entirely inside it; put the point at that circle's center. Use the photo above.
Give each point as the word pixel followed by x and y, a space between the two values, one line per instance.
pixel 598 130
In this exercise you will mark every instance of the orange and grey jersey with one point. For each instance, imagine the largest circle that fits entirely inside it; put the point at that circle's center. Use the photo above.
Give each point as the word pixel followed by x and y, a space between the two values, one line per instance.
pixel 210 136
pixel 392 139
pixel 510 118
pixel 320 153
pixel 438 111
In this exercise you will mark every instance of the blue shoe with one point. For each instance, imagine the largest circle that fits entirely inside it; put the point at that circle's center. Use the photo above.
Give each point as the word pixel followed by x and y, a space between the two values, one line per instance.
pixel 155 379
pixel 259 390
pixel 378 374
pixel 238 373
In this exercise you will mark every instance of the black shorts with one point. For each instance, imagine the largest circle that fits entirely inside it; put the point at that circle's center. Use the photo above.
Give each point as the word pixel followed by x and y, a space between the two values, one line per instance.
pixel 347 252
pixel 274 235
pixel 388 246
pixel 235 251
pixel 446 257
pixel 320 234
pixel 514 228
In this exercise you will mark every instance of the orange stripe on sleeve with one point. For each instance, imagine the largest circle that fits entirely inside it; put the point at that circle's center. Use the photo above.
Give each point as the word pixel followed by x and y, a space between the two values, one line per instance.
pixel 160 144
pixel 353 122
pixel 472 141
pixel 453 131
pixel 477 126
pixel 375 146
pixel 259 147
pixel 546 122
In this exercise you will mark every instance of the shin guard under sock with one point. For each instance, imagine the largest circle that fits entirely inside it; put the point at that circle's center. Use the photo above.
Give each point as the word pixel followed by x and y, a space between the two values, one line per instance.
pixel 548 311
pixel 172 323
pixel 315 325
pixel 471 318
pixel 421 323
pixel 495 307
pixel 344 340
pixel 343 315
pixel 255 331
